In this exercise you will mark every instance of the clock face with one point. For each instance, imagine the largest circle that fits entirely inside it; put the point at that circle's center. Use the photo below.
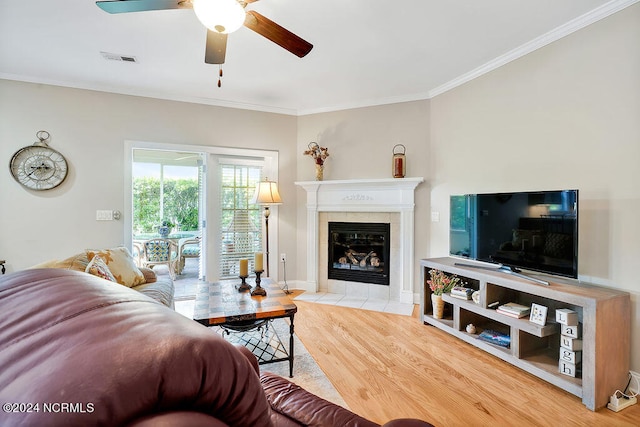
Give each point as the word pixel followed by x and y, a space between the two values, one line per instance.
pixel 38 167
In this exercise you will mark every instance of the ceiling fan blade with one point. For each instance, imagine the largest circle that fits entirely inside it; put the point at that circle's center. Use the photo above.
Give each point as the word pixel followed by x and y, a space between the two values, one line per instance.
pixel 125 6
pixel 216 48
pixel 277 34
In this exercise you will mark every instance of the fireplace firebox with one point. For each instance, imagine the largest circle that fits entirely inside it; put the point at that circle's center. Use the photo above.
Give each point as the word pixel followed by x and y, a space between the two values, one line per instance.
pixel 359 252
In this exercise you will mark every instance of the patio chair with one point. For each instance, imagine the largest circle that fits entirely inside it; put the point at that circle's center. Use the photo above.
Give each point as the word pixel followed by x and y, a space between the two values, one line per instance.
pixel 189 248
pixel 160 251
pixel 138 252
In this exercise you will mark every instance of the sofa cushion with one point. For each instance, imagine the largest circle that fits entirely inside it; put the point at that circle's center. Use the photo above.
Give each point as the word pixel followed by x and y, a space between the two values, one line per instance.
pixel 121 264
pixel 99 268
pixel 160 290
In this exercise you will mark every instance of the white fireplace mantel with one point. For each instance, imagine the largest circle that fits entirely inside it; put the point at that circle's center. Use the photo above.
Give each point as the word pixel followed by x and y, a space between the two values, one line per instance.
pixel 363 195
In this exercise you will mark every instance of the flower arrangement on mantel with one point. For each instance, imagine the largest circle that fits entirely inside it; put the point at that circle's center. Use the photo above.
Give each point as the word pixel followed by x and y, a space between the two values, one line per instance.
pixel 319 154
pixel 441 283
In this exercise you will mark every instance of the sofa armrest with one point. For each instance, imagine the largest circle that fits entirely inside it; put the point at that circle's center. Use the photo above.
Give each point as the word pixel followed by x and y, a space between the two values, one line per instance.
pixel 250 356
pixel 407 422
pixel 306 408
pixel 178 419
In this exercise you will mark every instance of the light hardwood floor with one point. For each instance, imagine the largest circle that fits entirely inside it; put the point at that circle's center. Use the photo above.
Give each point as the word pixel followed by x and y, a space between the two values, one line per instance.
pixel 388 366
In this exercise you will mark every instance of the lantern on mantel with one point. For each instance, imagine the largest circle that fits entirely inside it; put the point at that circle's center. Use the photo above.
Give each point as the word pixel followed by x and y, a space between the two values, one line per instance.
pixel 399 166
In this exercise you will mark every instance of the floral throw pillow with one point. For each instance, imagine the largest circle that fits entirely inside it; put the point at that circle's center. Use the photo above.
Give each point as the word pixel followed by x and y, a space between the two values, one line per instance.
pixel 121 265
pixel 97 267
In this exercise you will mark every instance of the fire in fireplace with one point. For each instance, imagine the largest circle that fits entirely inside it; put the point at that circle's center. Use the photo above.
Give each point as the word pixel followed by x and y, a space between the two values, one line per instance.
pixel 359 252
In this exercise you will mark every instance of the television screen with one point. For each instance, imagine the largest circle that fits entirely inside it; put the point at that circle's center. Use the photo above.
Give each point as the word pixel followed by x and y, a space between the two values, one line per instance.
pixel 536 230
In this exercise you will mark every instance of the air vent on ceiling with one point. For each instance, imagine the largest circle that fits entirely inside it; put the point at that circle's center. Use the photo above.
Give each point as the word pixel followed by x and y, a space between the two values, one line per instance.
pixel 117 57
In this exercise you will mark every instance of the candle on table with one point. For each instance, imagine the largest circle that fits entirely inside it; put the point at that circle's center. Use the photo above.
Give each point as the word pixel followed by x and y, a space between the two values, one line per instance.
pixel 257 261
pixel 244 267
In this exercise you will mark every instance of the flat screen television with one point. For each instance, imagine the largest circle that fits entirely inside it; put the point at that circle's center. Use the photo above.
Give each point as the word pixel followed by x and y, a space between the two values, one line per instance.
pixel 534 230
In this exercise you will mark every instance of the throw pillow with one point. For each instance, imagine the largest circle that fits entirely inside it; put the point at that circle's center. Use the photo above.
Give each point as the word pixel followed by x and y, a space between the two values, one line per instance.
pixel 121 265
pixel 149 275
pixel 77 262
pixel 97 267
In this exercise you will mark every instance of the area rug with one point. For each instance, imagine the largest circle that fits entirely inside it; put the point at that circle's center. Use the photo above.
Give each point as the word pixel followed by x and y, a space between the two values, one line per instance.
pixel 306 372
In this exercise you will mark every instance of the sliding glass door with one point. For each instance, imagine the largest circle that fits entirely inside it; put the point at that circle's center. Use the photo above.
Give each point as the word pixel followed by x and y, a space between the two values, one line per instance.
pixel 200 190
pixel 240 224
pixel 167 190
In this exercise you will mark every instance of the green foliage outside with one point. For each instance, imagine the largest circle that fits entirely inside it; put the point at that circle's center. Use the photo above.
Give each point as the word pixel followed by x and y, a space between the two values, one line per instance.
pixel 180 204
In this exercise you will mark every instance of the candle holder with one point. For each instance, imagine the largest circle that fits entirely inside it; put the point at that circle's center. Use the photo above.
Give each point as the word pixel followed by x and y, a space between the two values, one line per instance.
pixel 258 291
pixel 244 286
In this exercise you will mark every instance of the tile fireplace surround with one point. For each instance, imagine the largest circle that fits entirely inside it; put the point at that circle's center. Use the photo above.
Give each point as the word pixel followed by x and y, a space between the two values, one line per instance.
pixel 367 200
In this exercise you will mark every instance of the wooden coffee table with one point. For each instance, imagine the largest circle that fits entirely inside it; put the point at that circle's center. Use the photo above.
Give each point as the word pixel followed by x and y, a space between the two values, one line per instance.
pixel 221 304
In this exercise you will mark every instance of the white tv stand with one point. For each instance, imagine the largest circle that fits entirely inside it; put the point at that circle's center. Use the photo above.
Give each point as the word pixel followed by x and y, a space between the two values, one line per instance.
pixel 603 313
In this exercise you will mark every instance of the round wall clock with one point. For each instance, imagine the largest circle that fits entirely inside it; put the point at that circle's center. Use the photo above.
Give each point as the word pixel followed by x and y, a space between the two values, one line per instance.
pixel 37 166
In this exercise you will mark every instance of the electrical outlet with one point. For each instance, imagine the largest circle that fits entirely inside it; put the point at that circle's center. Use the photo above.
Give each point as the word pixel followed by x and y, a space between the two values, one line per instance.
pixel 283 257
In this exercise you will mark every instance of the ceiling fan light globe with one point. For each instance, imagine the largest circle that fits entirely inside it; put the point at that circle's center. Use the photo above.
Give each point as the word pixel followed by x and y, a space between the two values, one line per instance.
pixel 221 16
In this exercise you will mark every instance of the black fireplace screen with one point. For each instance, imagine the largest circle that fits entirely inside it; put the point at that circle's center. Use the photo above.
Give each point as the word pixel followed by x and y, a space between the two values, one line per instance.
pixel 359 252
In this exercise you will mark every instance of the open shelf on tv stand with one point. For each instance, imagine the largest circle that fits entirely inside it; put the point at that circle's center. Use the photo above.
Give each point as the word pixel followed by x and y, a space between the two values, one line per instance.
pixel 604 315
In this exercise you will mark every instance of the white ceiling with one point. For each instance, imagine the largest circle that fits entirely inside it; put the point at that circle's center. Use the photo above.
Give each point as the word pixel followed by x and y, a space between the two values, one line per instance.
pixel 366 52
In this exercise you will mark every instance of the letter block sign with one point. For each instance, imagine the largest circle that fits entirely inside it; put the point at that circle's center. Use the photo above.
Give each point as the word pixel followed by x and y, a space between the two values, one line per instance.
pixel 567 317
pixel 569 343
pixel 573 331
pixel 569 356
pixel 568 368
pixel 570 346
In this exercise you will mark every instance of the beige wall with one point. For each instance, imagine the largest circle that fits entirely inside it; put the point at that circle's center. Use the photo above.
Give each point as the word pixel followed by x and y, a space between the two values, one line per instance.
pixel 90 129
pixel 360 143
pixel 565 116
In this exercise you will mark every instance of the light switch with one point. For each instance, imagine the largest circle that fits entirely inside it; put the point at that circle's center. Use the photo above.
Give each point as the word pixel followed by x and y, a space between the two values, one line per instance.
pixel 435 216
pixel 104 215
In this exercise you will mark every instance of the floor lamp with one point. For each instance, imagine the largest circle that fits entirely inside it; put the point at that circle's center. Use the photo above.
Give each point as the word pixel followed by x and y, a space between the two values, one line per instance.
pixel 267 194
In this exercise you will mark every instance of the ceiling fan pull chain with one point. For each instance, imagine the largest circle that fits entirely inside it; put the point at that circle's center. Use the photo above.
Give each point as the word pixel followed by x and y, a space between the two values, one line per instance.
pixel 220 76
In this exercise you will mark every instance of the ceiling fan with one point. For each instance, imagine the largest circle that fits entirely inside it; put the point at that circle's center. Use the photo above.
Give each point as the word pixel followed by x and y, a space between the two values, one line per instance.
pixel 221 17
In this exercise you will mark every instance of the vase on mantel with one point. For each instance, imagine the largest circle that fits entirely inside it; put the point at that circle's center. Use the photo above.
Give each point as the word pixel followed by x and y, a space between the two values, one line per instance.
pixel 319 172
pixel 438 306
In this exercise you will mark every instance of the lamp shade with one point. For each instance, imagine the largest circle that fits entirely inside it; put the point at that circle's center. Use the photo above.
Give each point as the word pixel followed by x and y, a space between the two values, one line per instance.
pixel 266 194
pixel 221 16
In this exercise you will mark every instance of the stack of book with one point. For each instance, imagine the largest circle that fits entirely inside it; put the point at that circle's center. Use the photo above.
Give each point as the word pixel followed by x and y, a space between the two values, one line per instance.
pixel 514 310
pixel 461 292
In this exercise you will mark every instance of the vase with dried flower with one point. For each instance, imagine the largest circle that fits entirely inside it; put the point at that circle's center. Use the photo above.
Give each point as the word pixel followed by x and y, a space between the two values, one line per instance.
pixel 440 283
pixel 319 155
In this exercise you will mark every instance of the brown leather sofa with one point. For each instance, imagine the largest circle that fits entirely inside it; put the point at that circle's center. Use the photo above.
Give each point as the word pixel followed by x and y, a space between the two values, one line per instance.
pixel 77 351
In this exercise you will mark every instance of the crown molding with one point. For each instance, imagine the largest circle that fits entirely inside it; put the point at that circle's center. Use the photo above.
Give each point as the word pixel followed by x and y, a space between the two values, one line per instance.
pixel 150 94
pixel 564 30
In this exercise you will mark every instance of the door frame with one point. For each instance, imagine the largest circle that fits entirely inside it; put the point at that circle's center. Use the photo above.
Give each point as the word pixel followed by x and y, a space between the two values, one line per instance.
pixel 270 169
